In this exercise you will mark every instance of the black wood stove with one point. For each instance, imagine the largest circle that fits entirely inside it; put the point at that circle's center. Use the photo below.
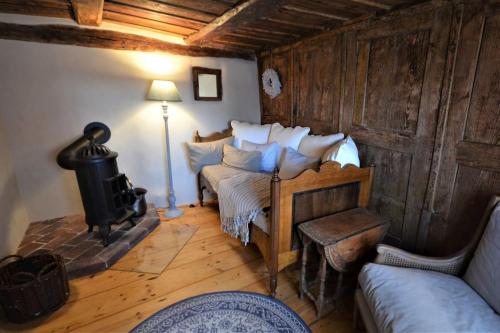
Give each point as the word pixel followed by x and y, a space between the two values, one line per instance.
pixel 104 191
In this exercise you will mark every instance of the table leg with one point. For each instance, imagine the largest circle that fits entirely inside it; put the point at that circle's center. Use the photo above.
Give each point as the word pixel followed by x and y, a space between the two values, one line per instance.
pixel 338 289
pixel 322 276
pixel 303 270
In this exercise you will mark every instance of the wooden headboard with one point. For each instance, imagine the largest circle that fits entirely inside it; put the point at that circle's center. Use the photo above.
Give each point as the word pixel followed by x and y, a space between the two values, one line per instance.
pixel 214 136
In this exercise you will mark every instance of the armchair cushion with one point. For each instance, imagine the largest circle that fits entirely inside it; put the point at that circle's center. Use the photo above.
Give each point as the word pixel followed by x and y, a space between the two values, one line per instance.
pixel 413 300
pixel 483 273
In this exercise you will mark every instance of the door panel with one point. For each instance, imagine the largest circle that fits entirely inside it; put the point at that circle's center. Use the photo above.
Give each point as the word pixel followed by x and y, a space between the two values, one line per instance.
pixel 394 110
pixel 318 74
pixel 469 169
pixel 394 82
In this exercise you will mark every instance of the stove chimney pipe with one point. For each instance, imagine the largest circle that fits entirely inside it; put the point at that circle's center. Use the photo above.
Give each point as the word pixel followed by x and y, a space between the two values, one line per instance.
pixel 94 132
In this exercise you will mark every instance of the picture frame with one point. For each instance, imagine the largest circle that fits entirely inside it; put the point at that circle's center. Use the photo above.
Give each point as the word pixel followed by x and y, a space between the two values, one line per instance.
pixel 207 84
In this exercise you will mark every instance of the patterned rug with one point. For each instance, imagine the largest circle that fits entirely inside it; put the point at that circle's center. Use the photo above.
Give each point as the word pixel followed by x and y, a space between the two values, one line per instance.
pixel 231 311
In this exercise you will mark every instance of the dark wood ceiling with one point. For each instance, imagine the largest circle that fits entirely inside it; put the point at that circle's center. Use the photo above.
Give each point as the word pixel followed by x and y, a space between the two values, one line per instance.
pixel 251 25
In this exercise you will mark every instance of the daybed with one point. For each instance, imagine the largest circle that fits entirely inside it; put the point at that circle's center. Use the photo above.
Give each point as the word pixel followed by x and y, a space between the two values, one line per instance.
pixel 404 292
pixel 311 194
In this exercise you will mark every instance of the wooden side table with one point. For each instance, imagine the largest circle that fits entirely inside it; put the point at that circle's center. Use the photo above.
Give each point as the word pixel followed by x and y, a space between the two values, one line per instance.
pixel 341 240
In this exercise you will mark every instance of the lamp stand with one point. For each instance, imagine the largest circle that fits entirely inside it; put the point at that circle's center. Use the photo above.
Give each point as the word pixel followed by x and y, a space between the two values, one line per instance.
pixel 172 211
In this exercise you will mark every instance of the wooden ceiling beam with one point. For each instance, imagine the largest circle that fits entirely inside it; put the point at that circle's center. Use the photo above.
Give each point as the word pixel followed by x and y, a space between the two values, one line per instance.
pixel 372 3
pixel 107 39
pixel 231 48
pixel 37 8
pixel 315 12
pixel 269 32
pixel 150 24
pixel 152 15
pixel 208 6
pixel 219 22
pixel 254 37
pixel 88 12
pixel 164 8
pixel 295 23
pixel 239 43
pixel 260 36
pixel 237 17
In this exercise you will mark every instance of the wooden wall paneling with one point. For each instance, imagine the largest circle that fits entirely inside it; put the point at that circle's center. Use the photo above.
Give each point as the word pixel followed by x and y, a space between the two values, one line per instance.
pixel 266 111
pixel 349 75
pixel 419 92
pixel 427 123
pixel 393 92
pixel 311 205
pixel 390 184
pixel 427 212
pixel 282 104
pixel 278 109
pixel 472 191
pixel 318 84
pixel 483 120
pixel 465 177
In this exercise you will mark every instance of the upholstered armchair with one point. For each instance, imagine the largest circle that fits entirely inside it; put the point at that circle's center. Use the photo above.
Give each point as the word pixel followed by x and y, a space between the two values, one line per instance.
pixel 405 292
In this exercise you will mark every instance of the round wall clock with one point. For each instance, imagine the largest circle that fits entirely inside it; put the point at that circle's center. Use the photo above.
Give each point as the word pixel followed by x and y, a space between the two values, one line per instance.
pixel 271 82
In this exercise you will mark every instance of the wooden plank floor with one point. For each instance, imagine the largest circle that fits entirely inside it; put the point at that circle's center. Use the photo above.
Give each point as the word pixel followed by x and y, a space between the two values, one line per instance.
pixel 117 300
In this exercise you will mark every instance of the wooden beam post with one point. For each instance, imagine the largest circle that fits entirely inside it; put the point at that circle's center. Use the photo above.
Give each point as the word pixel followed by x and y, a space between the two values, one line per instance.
pixel 220 21
pixel 232 19
pixel 88 12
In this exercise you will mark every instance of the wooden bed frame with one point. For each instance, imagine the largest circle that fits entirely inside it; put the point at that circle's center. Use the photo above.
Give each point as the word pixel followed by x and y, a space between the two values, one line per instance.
pixel 276 248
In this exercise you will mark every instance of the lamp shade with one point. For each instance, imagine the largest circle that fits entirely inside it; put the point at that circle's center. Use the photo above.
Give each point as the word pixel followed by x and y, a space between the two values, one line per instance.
pixel 163 91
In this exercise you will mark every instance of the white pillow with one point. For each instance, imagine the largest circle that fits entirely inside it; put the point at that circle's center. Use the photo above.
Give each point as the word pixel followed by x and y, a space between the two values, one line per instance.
pixel 269 152
pixel 344 152
pixel 294 163
pixel 237 158
pixel 316 145
pixel 287 137
pixel 250 132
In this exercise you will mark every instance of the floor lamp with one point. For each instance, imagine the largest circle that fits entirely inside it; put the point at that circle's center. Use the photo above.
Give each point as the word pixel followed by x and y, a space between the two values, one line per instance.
pixel 166 91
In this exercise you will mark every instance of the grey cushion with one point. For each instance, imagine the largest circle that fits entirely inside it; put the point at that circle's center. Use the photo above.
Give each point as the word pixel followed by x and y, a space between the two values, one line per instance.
pixel 246 160
pixel 206 153
pixel 483 273
pixel 412 300
pixel 294 163
pixel 270 152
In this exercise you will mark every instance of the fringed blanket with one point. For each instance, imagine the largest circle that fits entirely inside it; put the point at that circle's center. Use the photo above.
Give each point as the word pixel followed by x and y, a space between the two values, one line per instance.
pixel 241 199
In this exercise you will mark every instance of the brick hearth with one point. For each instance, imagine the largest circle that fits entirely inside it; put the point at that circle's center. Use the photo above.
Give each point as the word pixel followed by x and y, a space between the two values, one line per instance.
pixel 83 252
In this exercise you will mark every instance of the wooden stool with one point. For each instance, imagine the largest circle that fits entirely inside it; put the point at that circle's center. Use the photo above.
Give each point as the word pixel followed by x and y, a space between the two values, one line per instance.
pixel 341 239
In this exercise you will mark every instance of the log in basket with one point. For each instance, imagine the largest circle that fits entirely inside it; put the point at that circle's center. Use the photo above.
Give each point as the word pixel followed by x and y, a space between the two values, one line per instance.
pixel 32 286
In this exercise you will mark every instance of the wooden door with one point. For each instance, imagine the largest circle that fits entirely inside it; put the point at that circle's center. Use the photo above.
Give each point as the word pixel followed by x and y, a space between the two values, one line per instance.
pixel 469 153
pixel 317 81
pixel 278 109
pixel 394 75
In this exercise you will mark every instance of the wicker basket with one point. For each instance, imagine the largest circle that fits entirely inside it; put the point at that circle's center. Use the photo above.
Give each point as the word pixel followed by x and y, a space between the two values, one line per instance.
pixel 32 286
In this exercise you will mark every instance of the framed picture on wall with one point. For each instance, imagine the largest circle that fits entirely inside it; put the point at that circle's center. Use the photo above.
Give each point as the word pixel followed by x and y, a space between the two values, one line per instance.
pixel 207 84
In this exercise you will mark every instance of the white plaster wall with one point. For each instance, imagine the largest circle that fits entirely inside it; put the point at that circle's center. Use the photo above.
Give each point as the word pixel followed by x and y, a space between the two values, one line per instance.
pixel 13 219
pixel 48 93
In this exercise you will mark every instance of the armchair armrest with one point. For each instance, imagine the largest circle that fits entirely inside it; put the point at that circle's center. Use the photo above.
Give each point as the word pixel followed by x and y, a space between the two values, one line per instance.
pixel 389 255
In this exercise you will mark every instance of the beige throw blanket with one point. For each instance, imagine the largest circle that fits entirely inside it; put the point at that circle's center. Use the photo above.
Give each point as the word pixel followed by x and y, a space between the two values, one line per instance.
pixel 241 199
